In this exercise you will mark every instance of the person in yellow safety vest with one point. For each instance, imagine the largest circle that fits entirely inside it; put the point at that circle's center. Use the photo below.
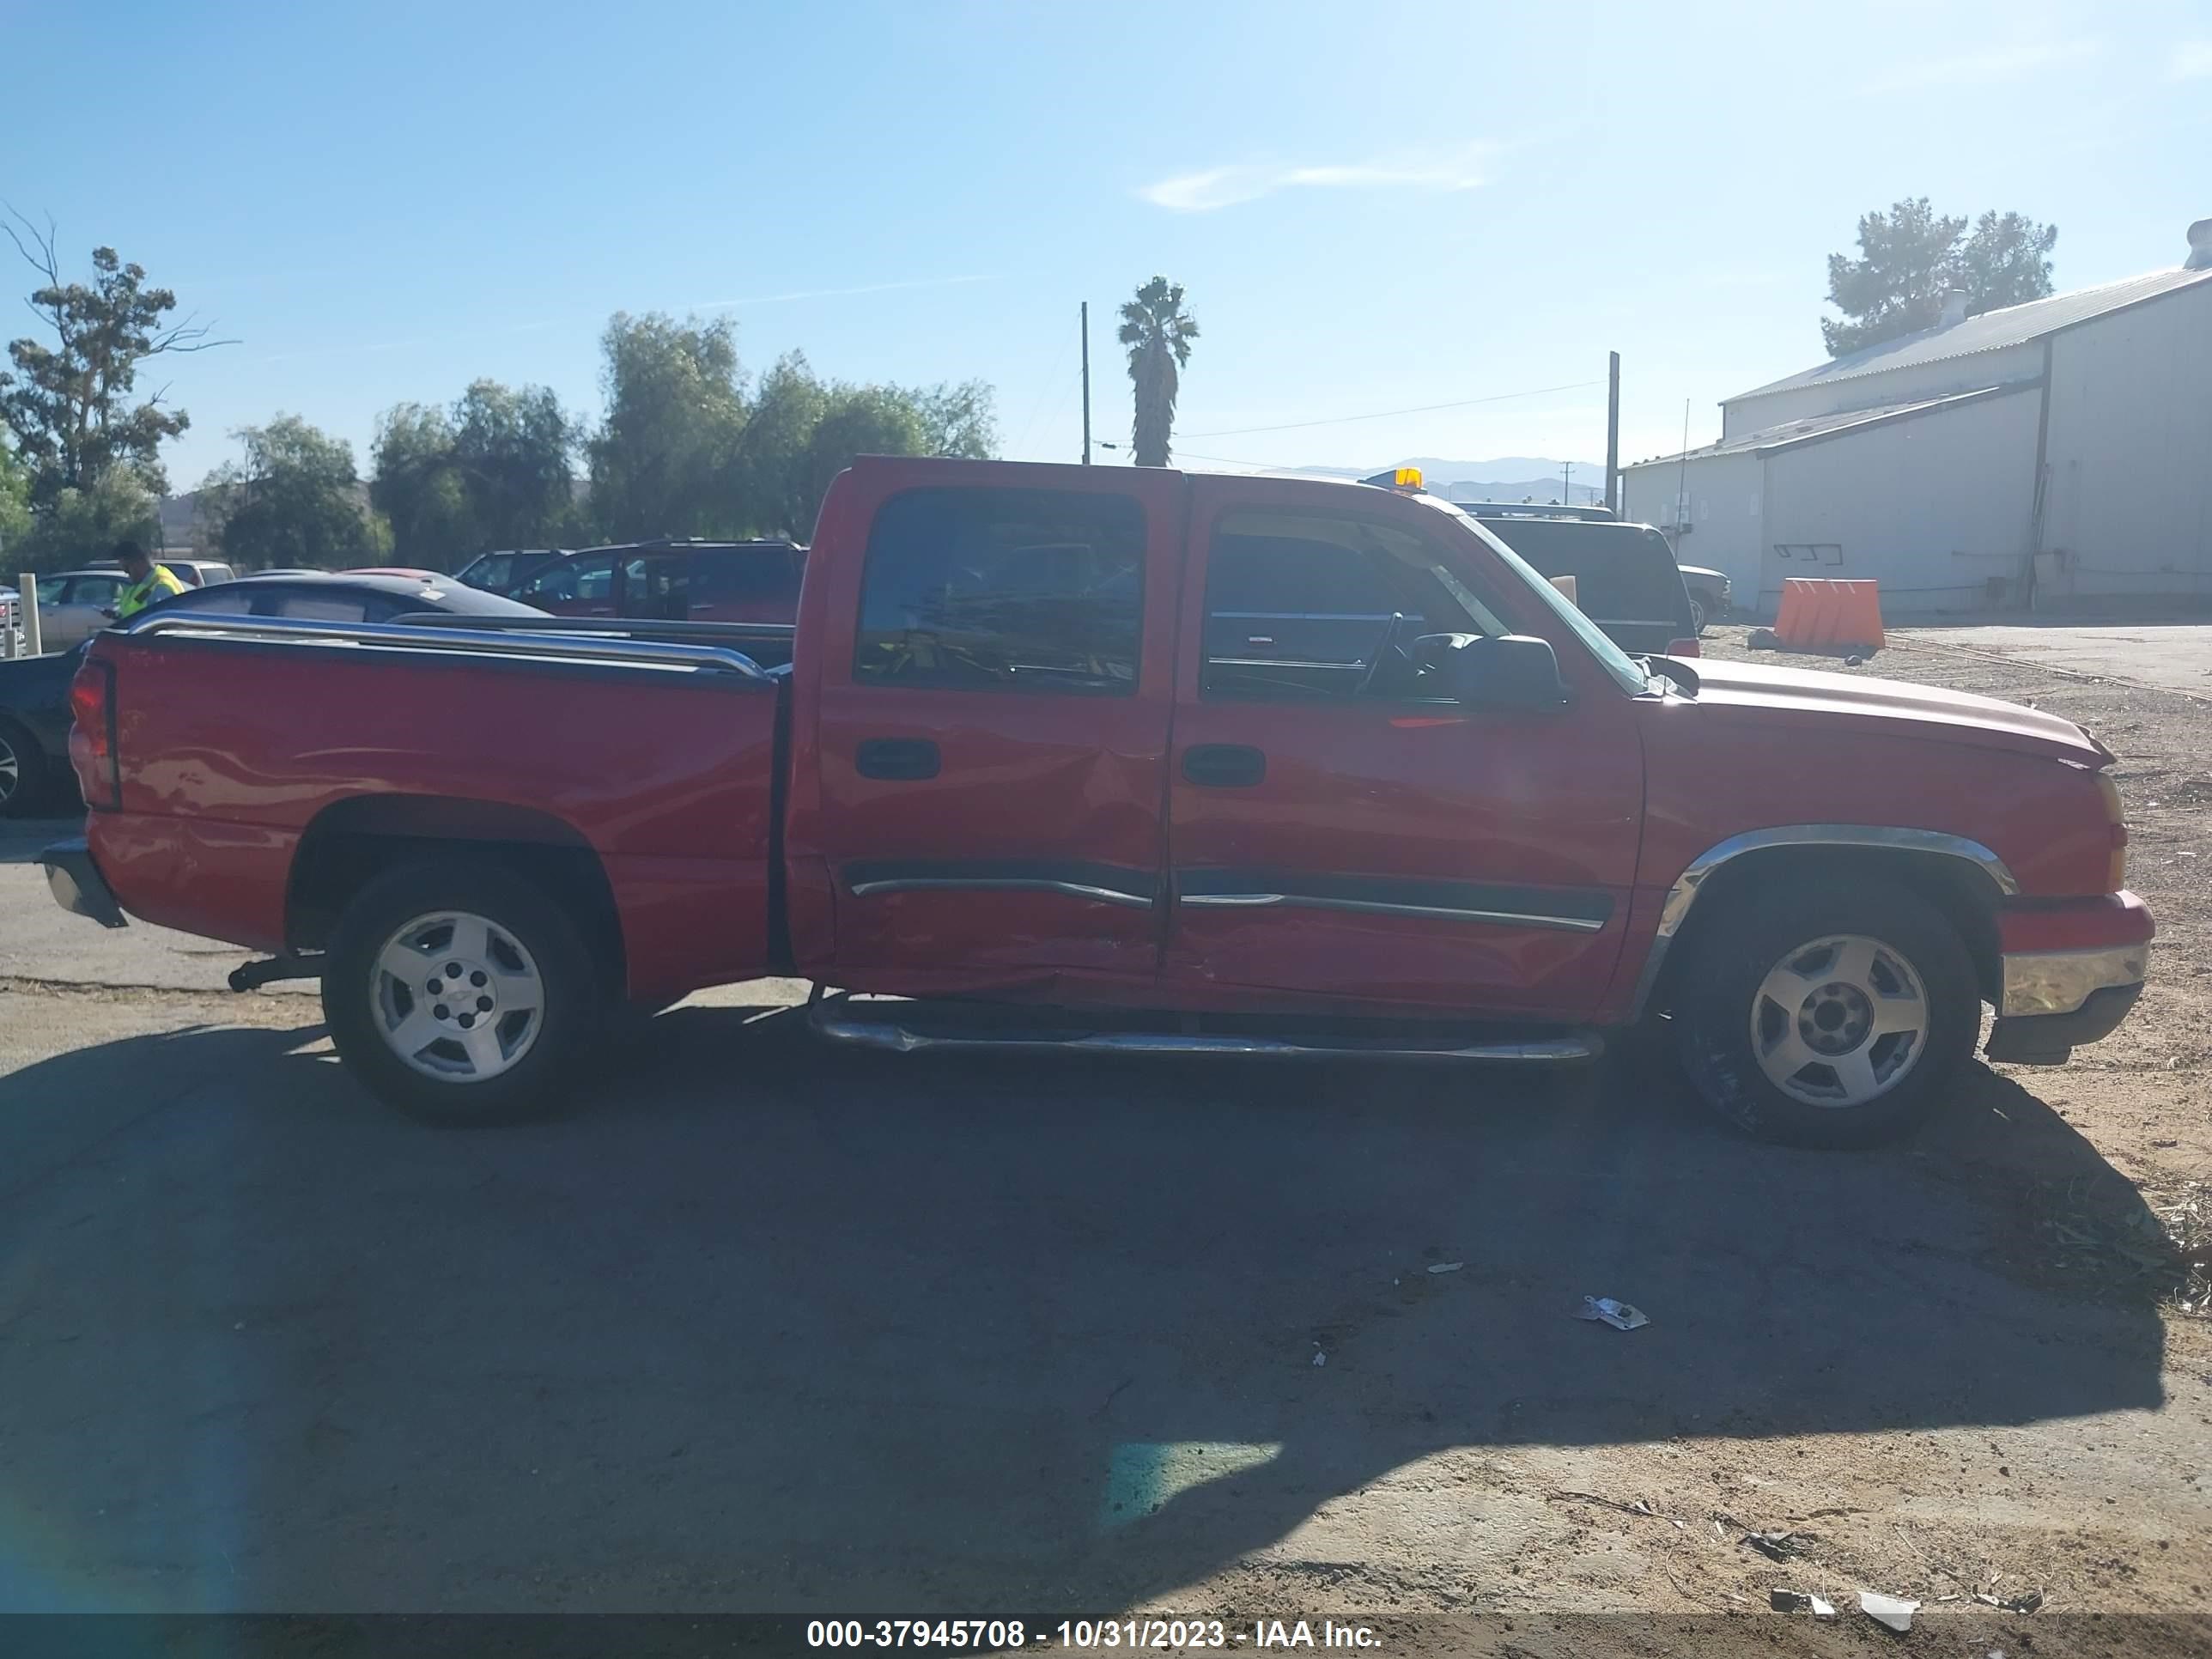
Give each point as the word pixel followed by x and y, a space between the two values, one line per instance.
pixel 148 581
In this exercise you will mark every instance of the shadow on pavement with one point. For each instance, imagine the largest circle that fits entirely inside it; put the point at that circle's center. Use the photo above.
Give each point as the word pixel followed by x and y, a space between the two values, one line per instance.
pixel 761 1325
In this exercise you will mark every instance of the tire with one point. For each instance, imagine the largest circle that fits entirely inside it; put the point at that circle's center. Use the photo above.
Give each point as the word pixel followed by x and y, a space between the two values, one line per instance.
pixel 1876 1057
pixel 23 780
pixel 519 951
pixel 1697 617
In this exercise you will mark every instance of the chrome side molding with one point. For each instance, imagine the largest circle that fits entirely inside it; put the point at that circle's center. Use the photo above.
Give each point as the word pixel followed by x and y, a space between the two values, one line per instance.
pixel 460 642
pixel 1000 884
pixel 890 1037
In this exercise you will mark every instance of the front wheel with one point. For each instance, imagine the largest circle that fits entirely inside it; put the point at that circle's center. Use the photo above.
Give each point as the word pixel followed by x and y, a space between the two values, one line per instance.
pixel 460 993
pixel 1697 617
pixel 1836 1017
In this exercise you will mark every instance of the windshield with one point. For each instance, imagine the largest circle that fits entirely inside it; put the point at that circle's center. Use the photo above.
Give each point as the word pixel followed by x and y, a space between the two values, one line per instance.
pixel 1624 670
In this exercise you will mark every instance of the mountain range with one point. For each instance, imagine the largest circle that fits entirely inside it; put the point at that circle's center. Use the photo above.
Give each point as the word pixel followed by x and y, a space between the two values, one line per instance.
pixel 1509 479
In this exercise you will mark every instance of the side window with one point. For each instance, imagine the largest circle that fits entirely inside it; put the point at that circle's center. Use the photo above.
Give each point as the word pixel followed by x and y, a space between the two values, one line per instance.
pixel 768 576
pixel 658 586
pixel 1022 590
pixel 589 579
pixel 492 571
pixel 310 606
pixel 1312 605
pixel 95 590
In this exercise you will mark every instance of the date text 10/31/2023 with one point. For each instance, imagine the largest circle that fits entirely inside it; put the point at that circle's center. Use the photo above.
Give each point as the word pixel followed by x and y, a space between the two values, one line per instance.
pixel 1087 1635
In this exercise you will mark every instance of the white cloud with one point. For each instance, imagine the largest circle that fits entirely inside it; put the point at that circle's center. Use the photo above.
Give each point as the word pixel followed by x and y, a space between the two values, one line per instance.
pixel 2192 61
pixel 1462 167
pixel 1992 66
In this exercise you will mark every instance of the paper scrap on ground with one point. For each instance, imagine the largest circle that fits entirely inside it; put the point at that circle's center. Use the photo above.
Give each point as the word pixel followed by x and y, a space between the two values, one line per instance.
pixel 1606 1311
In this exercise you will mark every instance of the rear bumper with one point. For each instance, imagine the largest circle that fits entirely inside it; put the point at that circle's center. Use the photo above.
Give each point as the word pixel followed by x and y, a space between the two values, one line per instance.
pixel 2072 970
pixel 77 885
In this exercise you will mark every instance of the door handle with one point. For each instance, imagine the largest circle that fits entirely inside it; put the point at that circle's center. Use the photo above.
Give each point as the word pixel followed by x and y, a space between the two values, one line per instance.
pixel 898 759
pixel 1224 765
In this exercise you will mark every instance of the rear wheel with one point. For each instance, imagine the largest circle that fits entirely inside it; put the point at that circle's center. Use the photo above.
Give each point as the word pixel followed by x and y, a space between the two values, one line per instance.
pixel 22 770
pixel 1696 617
pixel 1835 1017
pixel 460 993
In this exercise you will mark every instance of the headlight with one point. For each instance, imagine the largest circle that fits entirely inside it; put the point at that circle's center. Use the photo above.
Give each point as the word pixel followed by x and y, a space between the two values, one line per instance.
pixel 2117 875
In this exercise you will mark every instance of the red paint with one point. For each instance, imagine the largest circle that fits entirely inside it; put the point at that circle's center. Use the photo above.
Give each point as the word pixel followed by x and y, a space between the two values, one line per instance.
pixel 229 752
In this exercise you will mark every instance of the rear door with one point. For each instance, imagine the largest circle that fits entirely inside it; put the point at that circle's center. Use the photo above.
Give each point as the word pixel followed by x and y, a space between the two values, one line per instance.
pixel 745 584
pixel 1342 835
pixel 77 608
pixel 983 730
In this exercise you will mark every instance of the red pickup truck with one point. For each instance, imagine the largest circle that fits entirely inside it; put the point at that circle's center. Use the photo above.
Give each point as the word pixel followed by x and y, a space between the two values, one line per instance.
pixel 1021 775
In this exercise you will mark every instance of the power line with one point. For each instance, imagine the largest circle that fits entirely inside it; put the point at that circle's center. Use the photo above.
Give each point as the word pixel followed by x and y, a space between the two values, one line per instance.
pixel 1050 379
pixel 1385 414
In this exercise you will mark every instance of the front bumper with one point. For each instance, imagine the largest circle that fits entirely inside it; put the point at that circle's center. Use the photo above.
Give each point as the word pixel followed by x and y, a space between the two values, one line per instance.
pixel 2071 973
pixel 77 885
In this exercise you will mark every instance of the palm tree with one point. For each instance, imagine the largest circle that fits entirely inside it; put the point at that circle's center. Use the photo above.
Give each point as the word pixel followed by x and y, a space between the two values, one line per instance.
pixel 1157 332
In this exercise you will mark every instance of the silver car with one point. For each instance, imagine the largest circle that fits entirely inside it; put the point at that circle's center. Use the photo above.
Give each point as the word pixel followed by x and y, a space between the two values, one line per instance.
pixel 73 606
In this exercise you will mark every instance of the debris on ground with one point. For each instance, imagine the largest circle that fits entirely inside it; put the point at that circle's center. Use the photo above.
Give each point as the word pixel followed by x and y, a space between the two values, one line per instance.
pixel 1888 1610
pixel 1638 1507
pixel 1785 1601
pixel 2027 1603
pixel 1780 1545
pixel 1822 1609
pixel 1446 1267
pixel 1606 1310
pixel 1320 1357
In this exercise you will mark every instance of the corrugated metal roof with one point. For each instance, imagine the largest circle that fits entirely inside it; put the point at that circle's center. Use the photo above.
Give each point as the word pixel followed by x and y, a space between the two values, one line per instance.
pixel 1993 331
pixel 1785 433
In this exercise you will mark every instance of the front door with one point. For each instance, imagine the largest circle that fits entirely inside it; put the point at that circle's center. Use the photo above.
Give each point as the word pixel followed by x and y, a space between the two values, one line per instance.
pixel 581 586
pixel 990 726
pixel 1340 835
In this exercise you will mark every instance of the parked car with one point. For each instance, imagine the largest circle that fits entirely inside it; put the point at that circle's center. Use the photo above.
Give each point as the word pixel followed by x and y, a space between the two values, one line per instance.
pixel 1626 577
pixel 1710 598
pixel 350 596
pixel 34 712
pixel 505 571
pixel 1017 773
pixel 74 605
pixel 754 581
pixel 34 722
pixel 193 573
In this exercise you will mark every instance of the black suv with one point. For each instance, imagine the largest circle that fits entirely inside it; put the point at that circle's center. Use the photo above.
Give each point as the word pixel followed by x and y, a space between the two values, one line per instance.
pixel 1624 575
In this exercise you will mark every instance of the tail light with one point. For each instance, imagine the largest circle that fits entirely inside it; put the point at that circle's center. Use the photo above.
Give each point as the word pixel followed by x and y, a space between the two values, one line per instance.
pixel 1683 648
pixel 2115 874
pixel 92 707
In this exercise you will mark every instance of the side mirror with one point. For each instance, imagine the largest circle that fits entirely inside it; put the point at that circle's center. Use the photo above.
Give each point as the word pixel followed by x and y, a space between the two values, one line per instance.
pixel 1512 671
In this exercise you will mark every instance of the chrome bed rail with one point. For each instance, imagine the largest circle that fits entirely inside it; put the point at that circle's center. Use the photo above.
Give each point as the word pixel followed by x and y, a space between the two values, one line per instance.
pixel 459 642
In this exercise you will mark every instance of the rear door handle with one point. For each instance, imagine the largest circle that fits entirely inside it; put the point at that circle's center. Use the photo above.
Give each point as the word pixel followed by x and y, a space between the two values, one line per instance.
pixel 1224 765
pixel 898 759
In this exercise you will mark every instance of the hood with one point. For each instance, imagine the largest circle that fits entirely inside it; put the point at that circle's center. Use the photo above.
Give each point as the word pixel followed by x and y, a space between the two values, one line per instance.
pixel 1702 570
pixel 1922 711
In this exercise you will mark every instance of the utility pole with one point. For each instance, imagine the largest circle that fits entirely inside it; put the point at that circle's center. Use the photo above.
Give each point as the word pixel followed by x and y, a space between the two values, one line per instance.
pixel 1086 383
pixel 1567 484
pixel 1613 434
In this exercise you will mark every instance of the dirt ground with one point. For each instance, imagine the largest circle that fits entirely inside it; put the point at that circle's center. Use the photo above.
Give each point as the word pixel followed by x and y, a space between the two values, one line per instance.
pixel 761 1325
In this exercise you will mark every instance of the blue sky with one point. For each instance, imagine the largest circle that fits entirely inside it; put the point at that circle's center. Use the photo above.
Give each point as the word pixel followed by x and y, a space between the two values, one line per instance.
pixel 1373 207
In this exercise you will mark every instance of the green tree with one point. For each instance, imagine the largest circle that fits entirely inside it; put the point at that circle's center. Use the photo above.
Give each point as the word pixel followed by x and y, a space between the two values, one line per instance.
pixel 513 449
pixel 1911 256
pixel 419 490
pixel 493 472
pixel 77 524
pixel 1157 332
pixel 958 420
pixel 667 461
pixel 293 499
pixel 15 504
pixel 71 402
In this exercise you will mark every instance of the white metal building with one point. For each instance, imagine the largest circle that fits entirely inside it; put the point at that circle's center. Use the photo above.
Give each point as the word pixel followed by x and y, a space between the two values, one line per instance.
pixel 2053 451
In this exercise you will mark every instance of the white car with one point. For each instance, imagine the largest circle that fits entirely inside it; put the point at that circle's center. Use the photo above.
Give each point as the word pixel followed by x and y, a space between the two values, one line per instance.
pixel 73 606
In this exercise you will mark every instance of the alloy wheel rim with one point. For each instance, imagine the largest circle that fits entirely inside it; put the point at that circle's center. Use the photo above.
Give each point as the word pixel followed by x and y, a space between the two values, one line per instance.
pixel 1839 1021
pixel 457 997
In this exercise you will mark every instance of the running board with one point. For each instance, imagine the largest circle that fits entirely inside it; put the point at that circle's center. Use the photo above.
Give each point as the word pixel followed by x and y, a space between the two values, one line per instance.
pixel 898 1037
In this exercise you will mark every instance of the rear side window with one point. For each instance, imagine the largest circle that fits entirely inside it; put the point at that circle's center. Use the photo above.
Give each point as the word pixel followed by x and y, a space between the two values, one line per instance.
pixel 722 577
pixel 1622 573
pixel 1019 590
